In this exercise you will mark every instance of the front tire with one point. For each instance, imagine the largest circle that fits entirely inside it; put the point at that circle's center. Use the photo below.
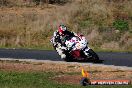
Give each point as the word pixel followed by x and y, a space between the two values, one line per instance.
pixel 68 57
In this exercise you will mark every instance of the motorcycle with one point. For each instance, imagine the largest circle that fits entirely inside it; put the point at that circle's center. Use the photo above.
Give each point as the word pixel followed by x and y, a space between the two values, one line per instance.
pixel 77 49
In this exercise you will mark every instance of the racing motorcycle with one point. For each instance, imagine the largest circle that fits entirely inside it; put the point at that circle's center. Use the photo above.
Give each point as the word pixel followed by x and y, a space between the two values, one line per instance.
pixel 77 49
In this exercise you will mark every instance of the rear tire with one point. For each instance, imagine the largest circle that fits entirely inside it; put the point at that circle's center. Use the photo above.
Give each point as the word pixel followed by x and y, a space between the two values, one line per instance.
pixel 94 57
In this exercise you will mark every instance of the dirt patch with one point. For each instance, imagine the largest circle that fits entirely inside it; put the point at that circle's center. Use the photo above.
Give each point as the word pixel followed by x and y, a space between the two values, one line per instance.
pixel 48 66
pixel 67 79
pixel 69 73
pixel 75 79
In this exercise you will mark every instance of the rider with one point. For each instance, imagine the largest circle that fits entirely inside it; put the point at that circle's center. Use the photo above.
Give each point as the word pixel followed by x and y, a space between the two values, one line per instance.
pixel 59 38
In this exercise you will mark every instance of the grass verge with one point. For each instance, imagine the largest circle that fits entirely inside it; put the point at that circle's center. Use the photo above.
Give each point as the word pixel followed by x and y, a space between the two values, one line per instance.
pixel 38 80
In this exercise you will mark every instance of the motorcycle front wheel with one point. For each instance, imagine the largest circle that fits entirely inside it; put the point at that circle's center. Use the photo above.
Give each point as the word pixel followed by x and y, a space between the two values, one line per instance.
pixel 68 58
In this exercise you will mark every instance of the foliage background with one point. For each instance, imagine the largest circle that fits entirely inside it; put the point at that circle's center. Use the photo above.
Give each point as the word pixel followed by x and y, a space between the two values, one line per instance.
pixel 107 24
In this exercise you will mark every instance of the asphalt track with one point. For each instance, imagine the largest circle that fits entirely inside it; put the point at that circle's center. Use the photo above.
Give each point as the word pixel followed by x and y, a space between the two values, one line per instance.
pixel 109 58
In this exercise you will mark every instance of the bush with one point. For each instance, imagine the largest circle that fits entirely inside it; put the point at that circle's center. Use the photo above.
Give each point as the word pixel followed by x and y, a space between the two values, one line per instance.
pixel 121 25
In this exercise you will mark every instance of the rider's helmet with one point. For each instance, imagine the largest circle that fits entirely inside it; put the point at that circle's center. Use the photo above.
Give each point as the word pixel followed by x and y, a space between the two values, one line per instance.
pixel 62 28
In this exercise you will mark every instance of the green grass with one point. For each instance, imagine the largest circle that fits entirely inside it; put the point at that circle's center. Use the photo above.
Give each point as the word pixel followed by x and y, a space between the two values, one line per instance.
pixel 38 80
pixel 96 49
pixel 110 50
pixel 44 47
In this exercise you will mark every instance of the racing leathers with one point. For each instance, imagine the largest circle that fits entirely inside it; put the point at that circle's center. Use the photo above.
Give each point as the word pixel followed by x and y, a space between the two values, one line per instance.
pixel 59 41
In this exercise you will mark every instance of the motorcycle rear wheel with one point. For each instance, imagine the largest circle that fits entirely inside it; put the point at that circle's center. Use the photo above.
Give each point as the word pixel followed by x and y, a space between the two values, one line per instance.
pixel 93 55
